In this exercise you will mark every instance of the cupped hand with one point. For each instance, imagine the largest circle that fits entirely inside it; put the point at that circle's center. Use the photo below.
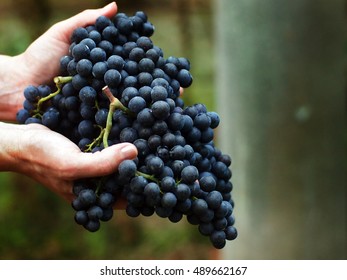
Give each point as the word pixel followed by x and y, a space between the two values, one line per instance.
pixel 54 161
pixel 42 57
pixel 40 62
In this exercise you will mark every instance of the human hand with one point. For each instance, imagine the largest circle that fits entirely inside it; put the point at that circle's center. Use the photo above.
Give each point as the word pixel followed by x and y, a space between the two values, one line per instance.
pixel 39 64
pixel 53 160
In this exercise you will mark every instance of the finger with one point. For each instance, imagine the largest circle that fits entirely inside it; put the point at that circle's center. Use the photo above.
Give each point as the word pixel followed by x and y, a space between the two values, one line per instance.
pixel 84 18
pixel 104 162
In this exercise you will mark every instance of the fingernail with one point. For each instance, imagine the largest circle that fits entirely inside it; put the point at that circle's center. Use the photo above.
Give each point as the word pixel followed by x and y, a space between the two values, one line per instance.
pixel 128 151
pixel 110 4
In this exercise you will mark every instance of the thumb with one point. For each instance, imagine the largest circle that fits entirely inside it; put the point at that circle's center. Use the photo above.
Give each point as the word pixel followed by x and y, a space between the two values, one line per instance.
pixel 104 162
pixel 84 18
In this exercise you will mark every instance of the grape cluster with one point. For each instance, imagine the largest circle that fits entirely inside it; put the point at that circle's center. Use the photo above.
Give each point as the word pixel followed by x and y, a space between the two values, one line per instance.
pixel 116 86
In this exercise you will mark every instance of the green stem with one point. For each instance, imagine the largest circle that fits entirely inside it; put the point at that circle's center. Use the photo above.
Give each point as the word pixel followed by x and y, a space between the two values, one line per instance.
pixel 59 82
pixel 114 104
pixel 147 176
pixel 96 141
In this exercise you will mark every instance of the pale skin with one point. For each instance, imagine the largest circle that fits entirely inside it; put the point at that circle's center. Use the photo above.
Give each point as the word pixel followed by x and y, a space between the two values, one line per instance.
pixel 33 150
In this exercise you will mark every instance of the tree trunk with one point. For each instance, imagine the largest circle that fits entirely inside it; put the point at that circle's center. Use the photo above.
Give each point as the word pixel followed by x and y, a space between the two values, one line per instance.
pixel 281 96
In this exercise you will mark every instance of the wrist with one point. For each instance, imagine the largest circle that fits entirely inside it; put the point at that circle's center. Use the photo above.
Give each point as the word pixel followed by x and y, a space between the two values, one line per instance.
pixel 11 86
pixel 10 150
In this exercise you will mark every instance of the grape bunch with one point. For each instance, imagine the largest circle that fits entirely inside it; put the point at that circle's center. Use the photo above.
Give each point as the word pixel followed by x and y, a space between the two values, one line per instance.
pixel 116 86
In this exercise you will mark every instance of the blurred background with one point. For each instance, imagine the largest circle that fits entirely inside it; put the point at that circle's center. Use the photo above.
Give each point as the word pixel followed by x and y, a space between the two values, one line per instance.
pixel 275 72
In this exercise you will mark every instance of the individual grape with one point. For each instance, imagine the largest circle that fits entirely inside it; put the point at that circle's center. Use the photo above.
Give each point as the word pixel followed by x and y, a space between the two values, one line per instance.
pixel 79 34
pixel 92 225
pixel 102 22
pixel 81 217
pixel 127 168
pixel 33 120
pixel 161 109
pixel 78 82
pixel 136 54
pixel 112 78
pixel 99 69
pixel 155 165
pixel 168 184
pixel 184 206
pixel 22 115
pixel 170 69
pixel 87 197
pixel 223 209
pixel 64 61
pixel 214 199
pixel 220 224
pixel 199 207
pixel 189 174
pixel 95 36
pixel 128 134
pixel 146 65
pixel 182 192
pixel 125 25
pixel 101 117
pixel 177 167
pixel 72 67
pixel 137 184
pixel 215 120
pixel 202 121
pixel 178 153
pixel 87 111
pixel 88 95
pixel 152 194
pixel 207 183
pixel 175 217
pixel 51 118
pixel 132 211
pixel 107 47
pixel 137 104
pixel 148 29
pixel 145 117
pixel 98 54
pixel 184 63
pixel 230 233
pixel 84 67
pixel 158 93
pixel 206 228
pixel 163 212
pixel 110 33
pixel 131 67
pixel 175 121
pixel 107 214
pixel 44 90
pixel 72 103
pixel 207 135
pixel 159 127
pixel 80 51
pixel 168 200
pixel 144 79
pixel 31 93
pixel 130 81
pixel 218 239
pixel 86 129
pixel 115 62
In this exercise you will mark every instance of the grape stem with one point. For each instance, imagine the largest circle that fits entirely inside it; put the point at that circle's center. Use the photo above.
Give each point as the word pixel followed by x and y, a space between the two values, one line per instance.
pixel 114 104
pixel 59 82
pixel 147 176
pixel 96 141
